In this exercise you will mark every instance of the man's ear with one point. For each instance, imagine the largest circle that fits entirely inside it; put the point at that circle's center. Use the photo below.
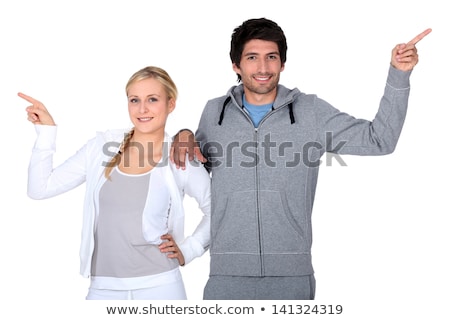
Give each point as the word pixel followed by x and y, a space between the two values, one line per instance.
pixel 236 68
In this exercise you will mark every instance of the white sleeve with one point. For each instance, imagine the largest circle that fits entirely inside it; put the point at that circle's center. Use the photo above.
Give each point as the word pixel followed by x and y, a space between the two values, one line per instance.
pixel 44 181
pixel 197 184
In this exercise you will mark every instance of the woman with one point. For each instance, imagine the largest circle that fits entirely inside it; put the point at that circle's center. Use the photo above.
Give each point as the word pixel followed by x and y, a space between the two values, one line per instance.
pixel 132 239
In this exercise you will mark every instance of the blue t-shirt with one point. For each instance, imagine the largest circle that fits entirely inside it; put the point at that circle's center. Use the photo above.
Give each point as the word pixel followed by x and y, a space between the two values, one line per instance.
pixel 256 112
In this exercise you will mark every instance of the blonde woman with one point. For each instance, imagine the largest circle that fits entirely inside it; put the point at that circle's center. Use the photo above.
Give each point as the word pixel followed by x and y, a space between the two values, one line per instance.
pixel 133 224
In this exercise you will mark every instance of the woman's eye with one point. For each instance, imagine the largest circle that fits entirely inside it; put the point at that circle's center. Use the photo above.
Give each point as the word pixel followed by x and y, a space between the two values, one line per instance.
pixel 133 100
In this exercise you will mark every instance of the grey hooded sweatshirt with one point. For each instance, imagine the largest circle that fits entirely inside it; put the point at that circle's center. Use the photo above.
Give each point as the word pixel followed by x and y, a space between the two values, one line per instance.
pixel 264 179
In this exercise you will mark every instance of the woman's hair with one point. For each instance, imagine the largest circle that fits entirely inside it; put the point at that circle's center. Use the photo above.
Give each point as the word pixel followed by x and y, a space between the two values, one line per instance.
pixel 260 29
pixel 158 74
pixel 150 72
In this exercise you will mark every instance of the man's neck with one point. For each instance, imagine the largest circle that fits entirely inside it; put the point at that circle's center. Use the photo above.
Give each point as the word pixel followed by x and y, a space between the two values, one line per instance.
pixel 258 99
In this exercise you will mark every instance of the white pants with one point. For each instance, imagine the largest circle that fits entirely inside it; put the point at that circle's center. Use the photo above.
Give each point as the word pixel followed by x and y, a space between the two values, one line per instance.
pixel 170 291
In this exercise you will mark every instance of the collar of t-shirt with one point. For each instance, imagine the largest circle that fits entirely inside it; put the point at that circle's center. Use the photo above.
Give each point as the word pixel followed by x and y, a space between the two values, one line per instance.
pixel 256 112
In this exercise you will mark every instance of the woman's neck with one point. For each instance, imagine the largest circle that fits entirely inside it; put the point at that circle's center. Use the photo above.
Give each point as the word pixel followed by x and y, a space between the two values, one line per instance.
pixel 143 153
pixel 149 143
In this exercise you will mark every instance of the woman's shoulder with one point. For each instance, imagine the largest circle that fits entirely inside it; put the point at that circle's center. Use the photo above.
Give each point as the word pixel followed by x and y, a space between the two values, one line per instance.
pixel 112 134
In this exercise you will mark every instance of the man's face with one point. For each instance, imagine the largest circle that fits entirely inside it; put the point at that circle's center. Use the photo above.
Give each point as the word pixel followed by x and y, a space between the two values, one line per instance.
pixel 260 69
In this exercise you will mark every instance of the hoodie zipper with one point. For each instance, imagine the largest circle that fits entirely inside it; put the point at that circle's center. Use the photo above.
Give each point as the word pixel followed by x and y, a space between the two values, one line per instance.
pixel 258 200
pixel 258 207
pixel 258 211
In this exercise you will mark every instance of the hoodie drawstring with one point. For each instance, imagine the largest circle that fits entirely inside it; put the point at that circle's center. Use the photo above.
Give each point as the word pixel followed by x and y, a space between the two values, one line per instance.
pixel 291 113
pixel 223 110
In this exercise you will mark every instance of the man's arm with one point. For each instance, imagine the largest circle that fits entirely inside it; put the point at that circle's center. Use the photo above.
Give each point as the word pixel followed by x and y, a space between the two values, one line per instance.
pixel 379 136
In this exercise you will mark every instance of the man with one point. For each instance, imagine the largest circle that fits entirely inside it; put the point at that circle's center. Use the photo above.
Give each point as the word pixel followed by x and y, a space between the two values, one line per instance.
pixel 263 143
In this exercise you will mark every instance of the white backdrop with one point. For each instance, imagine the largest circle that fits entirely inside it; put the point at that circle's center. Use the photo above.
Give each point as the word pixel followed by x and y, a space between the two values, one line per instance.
pixel 380 224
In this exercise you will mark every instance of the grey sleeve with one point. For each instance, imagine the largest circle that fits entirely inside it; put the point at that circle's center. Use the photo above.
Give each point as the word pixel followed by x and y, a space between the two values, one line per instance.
pixel 344 134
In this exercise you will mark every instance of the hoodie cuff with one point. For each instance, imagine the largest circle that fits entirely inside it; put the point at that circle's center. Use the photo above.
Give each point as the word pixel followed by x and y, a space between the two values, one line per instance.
pixel 398 79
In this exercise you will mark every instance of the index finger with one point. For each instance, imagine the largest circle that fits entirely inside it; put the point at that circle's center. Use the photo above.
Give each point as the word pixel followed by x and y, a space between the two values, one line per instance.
pixel 420 36
pixel 28 98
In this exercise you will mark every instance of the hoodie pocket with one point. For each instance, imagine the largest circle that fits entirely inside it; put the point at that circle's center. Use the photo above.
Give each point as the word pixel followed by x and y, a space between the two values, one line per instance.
pixel 280 232
pixel 236 224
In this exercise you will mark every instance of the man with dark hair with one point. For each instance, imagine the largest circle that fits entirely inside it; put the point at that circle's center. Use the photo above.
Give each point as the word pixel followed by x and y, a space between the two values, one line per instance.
pixel 263 143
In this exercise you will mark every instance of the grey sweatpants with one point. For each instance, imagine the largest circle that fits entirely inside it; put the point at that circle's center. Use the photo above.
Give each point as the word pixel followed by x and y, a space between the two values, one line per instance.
pixel 260 288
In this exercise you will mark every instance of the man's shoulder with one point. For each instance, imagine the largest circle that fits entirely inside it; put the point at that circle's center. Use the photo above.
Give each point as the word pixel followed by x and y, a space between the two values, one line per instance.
pixel 286 95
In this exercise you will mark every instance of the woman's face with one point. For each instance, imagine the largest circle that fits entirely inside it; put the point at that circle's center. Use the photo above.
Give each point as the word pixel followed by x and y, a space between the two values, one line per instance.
pixel 149 106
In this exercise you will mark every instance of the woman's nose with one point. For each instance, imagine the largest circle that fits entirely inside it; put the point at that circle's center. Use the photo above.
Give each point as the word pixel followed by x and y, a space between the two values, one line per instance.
pixel 143 108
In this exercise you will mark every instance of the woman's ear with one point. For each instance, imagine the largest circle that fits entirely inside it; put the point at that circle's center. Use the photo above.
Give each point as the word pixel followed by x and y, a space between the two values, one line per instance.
pixel 172 104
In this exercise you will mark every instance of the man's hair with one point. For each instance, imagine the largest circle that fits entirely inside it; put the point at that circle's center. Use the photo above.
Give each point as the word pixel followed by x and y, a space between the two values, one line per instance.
pixel 260 29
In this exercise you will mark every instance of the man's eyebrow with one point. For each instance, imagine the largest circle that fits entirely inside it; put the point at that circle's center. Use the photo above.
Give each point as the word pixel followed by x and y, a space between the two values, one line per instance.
pixel 258 54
